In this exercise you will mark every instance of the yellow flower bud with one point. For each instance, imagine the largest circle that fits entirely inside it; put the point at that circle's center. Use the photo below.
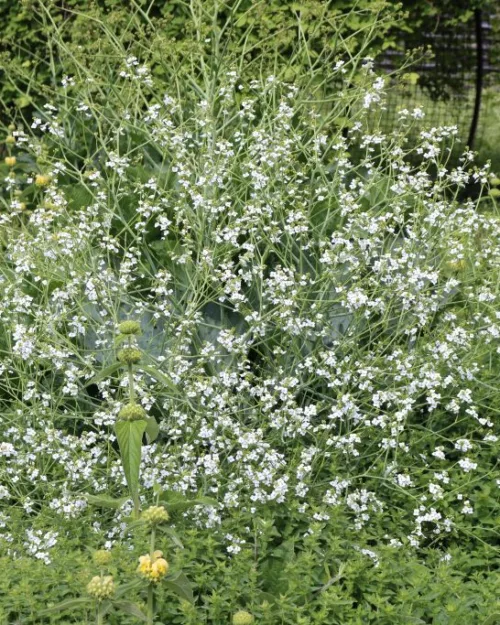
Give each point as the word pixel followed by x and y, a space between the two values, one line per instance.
pixel 10 161
pixel 101 587
pixel 132 412
pixel 129 355
pixel 102 557
pixel 155 515
pixel 242 617
pixel 10 140
pixel 129 327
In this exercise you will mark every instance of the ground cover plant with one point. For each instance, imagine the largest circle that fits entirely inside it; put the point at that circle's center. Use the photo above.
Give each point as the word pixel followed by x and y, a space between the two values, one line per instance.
pixel 249 350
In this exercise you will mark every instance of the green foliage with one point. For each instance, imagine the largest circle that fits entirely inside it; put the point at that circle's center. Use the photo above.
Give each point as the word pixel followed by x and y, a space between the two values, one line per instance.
pixel 260 32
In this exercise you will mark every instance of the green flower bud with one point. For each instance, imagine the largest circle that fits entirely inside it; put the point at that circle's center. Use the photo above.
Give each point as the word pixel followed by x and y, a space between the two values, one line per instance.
pixel 102 557
pixel 101 587
pixel 129 355
pixel 155 515
pixel 129 327
pixel 132 412
pixel 242 617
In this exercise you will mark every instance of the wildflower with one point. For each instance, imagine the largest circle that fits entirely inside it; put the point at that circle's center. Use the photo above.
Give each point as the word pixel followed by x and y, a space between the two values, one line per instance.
pixel 154 567
pixel 129 327
pixel 101 587
pixel 155 515
pixel 129 355
pixel 242 617
pixel 102 557
pixel 132 412
pixel 10 161
pixel 42 180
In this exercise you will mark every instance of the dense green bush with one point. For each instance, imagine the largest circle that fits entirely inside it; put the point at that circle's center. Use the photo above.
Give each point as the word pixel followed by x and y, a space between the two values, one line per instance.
pixel 318 342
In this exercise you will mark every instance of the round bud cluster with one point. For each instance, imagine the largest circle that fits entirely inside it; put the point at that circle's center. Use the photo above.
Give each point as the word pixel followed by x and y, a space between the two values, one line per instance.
pixel 10 140
pixel 242 617
pixel 42 180
pixel 132 412
pixel 153 568
pixel 102 557
pixel 129 355
pixel 129 327
pixel 456 265
pixel 155 515
pixel 10 161
pixel 101 587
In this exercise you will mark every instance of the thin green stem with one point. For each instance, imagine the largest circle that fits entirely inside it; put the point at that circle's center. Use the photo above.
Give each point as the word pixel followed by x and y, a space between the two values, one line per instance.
pixel 100 616
pixel 150 613
pixel 131 389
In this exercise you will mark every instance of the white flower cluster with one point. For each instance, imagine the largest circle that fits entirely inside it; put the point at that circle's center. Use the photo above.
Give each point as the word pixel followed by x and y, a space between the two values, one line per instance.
pixel 303 313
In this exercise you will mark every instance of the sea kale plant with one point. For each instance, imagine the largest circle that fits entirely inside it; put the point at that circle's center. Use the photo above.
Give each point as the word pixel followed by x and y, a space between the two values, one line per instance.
pixel 318 305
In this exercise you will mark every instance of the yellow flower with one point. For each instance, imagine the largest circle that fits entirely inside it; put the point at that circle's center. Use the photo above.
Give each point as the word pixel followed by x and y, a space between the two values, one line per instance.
pixel 153 568
pixel 42 180
pixel 160 567
pixel 10 161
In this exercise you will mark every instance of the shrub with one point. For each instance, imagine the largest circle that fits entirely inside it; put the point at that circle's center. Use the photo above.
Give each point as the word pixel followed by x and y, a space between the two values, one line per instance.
pixel 318 342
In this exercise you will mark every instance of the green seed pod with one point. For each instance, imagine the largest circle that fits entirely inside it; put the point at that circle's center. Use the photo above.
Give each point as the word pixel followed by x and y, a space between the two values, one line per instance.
pixel 242 617
pixel 132 412
pixel 101 587
pixel 102 557
pixel 129 355
pixel 129 327
pixel 155 515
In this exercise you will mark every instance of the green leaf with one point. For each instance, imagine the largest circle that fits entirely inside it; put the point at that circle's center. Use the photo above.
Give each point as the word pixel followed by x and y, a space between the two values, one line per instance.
pixel 104 373
pixel 172 535
pixel 130 608
pixel 67 605
pixel 152 429
pixel 492 620
pixel 179 584
pixel 177 502
pixel 129 435
pixel 124 589
pixel 104 501
pixel 159 376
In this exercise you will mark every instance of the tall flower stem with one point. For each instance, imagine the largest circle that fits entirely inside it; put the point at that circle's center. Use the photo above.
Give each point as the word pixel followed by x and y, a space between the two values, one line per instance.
pixel 150 613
